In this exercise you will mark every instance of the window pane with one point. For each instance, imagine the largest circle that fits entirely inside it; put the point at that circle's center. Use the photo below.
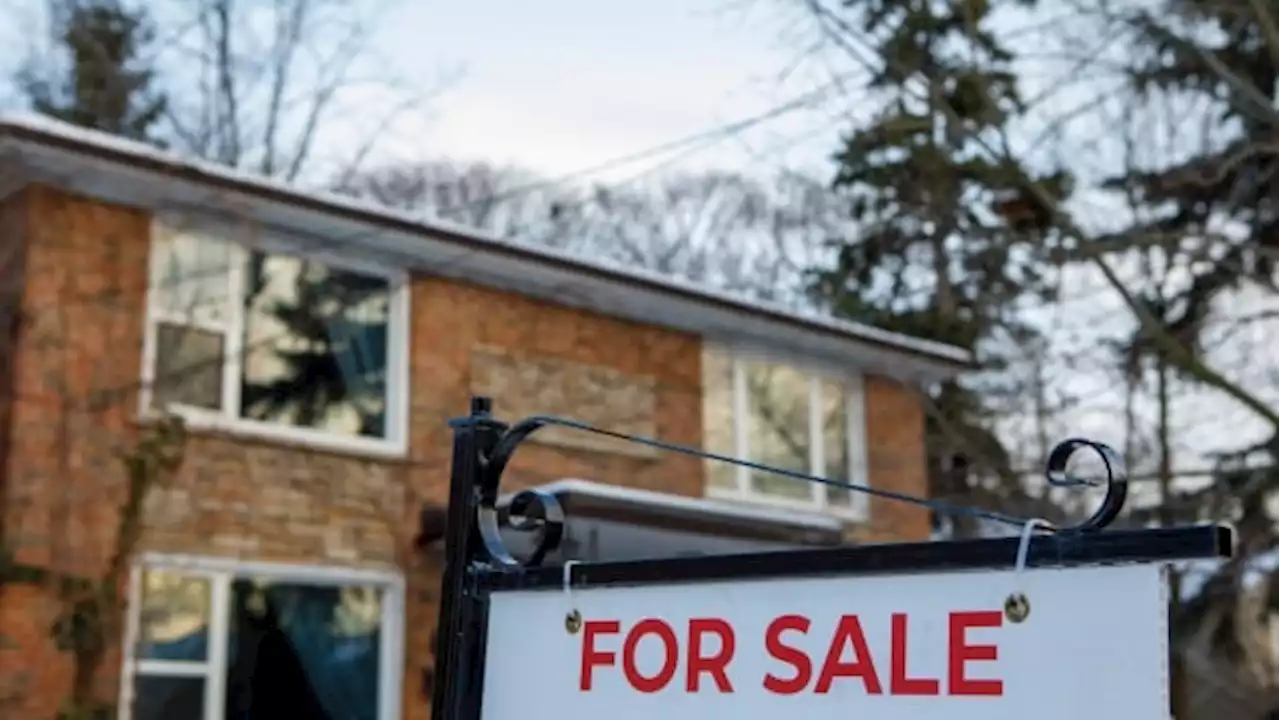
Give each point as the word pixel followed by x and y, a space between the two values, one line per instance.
pixel 304 651
pixel 173 616
pixel 835 440
pixel 190 278
pixel 315 346
pixel 188 367
pixel 168 698
pixel 717 416
pixel 778 427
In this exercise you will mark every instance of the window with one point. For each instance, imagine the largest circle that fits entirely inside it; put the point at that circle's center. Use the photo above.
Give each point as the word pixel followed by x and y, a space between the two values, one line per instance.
pixel 284 345
pixel 787 417
pixel 208 640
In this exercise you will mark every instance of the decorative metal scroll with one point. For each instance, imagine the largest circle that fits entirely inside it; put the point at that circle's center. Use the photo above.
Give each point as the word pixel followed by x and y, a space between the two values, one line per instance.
pixel 539 512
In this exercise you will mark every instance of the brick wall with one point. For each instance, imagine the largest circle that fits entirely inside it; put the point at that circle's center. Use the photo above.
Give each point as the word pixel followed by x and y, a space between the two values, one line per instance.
pixel 61 482
pixel 895 460
pixel 235 497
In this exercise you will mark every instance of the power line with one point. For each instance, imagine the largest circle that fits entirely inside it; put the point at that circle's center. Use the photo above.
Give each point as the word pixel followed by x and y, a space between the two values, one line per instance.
pixel 689 143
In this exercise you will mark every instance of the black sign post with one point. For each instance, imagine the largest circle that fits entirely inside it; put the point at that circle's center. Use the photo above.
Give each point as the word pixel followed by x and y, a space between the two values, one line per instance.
pixel 479 565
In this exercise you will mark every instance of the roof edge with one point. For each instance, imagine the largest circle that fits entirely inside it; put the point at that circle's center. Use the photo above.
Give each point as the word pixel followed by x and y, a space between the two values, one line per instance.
pixel 944 359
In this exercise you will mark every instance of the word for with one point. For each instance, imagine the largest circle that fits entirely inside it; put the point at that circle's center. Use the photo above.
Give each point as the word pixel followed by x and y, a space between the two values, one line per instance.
pixel 700 664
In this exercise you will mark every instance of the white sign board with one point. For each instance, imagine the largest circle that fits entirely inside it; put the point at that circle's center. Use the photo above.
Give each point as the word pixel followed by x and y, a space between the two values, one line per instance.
pixel 905 647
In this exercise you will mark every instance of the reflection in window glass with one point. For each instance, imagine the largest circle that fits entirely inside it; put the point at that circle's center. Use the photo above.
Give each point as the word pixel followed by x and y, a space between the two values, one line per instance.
pixel 777 427
pixel 785 416
pixel 188 368
pixel 304 651
pixel 192 279
pixel 717 417
pixel 835 440
pixel 315 346
pixel 173 617
pixel 189 293
pixel 309 342
pixel 168 698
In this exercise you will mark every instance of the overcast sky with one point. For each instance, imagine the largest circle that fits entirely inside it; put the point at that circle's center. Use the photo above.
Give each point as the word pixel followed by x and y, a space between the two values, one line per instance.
pixel 559 85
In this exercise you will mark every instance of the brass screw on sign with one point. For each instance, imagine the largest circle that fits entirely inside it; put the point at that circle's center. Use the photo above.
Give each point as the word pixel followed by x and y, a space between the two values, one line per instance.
pixel 573 621
pixel 1017 607
pixel 573 618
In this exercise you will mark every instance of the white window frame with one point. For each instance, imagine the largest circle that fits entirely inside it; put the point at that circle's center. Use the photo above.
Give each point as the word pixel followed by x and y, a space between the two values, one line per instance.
pixel 743 490
pixel 227 419
pixel 221 572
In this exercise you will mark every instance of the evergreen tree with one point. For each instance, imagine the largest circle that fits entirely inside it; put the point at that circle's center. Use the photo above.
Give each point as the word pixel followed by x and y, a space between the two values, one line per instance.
pixel 1222 198
pixel 335 352
pixel 1208 224
pixel 108 85
pixel 949 240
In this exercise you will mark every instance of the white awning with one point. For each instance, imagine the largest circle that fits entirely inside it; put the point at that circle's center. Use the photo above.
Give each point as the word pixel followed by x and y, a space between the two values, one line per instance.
pixel 611 522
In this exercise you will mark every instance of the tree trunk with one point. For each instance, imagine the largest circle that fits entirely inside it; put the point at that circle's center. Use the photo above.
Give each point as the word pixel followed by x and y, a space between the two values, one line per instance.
pixel 1167 518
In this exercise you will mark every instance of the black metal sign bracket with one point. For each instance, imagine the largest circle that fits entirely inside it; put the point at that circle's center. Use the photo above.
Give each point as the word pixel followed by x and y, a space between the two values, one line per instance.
pixel 478 563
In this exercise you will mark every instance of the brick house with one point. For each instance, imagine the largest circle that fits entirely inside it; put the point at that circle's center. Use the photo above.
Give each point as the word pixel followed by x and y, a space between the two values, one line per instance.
pixel 314 439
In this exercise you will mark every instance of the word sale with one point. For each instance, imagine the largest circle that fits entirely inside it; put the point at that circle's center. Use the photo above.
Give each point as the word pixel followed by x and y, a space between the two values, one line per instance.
pixel 707 660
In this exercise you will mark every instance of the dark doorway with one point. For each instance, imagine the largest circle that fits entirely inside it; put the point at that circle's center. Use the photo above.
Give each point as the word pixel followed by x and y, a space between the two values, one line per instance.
pixel 266 678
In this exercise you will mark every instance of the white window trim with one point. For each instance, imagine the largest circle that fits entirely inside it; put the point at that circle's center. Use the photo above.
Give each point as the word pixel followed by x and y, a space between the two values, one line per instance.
pixel 396 443
pixel 221 572
pixel 856 439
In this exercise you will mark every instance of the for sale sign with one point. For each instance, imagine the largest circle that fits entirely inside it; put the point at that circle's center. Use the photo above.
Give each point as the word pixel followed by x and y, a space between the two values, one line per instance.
pixel 1090 642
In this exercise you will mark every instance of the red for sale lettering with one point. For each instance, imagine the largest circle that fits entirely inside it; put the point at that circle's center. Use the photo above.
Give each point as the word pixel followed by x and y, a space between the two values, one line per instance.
pixel 700 660
pixel 848 633
pixel 714 665
pixel 899 683
pixel 591 657
pixel 710 645
pixel 659 680
pixel 849 655
pixel 961 652
pixel 792 656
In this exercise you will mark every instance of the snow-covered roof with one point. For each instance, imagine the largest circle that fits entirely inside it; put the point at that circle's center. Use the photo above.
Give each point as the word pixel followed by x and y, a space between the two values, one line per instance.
pixel 132 173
